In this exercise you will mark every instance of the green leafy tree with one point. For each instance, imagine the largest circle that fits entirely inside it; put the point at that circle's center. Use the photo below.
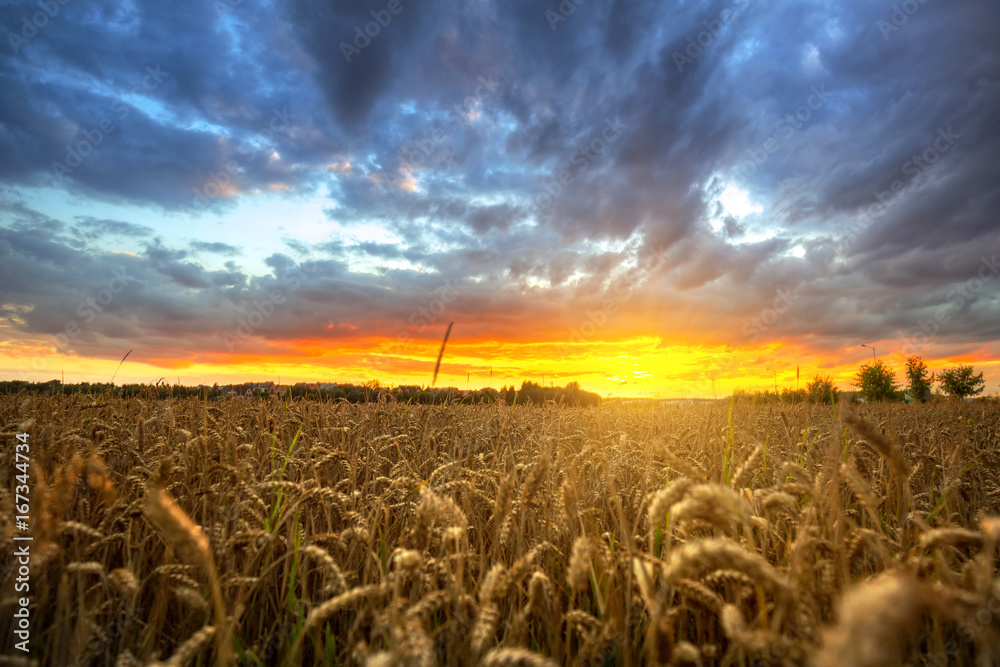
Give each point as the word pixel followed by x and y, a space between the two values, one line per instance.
pixel 960 382
pixel 821 390
pixel 919 380
pixel 876 381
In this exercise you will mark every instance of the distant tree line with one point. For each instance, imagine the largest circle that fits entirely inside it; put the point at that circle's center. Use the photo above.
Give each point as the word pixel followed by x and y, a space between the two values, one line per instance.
pixel 529 393
pixel 820 390
pixel 877 381
pixel 536 394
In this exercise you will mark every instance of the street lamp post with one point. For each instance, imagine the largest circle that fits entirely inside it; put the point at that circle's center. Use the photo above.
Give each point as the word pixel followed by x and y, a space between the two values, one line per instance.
pixel 870 348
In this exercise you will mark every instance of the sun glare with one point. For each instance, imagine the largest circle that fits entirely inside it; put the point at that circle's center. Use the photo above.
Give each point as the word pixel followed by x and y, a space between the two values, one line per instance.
pixel 737 202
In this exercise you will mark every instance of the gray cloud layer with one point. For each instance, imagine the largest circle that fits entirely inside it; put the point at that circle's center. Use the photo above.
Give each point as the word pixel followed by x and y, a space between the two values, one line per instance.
pixel 485 107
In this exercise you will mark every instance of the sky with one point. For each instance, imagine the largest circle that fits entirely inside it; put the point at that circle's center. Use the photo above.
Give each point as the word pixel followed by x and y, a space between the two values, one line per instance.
pixel 654 199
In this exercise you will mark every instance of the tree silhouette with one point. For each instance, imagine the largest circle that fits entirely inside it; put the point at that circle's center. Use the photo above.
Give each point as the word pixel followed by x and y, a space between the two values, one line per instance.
pixel 920 382
pixel 960 382
pixel 876 381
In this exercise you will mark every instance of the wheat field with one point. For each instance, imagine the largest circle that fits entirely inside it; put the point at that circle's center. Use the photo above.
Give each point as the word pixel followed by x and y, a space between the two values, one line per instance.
pixel 278 532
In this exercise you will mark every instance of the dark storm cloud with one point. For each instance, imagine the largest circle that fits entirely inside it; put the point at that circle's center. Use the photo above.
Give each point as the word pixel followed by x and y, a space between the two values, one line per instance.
pixel 144 102
pixel 475 133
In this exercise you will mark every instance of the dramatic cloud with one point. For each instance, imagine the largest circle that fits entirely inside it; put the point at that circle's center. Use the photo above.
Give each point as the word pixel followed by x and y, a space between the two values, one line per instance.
pixel 581 181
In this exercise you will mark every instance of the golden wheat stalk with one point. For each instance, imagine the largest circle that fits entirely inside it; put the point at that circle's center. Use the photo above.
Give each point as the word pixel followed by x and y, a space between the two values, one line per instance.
pixel 515 657
pixel 692 559
pixel 877 619
pixel 749 466
pixel 890 452
pixel 190 540
pixel 320 614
